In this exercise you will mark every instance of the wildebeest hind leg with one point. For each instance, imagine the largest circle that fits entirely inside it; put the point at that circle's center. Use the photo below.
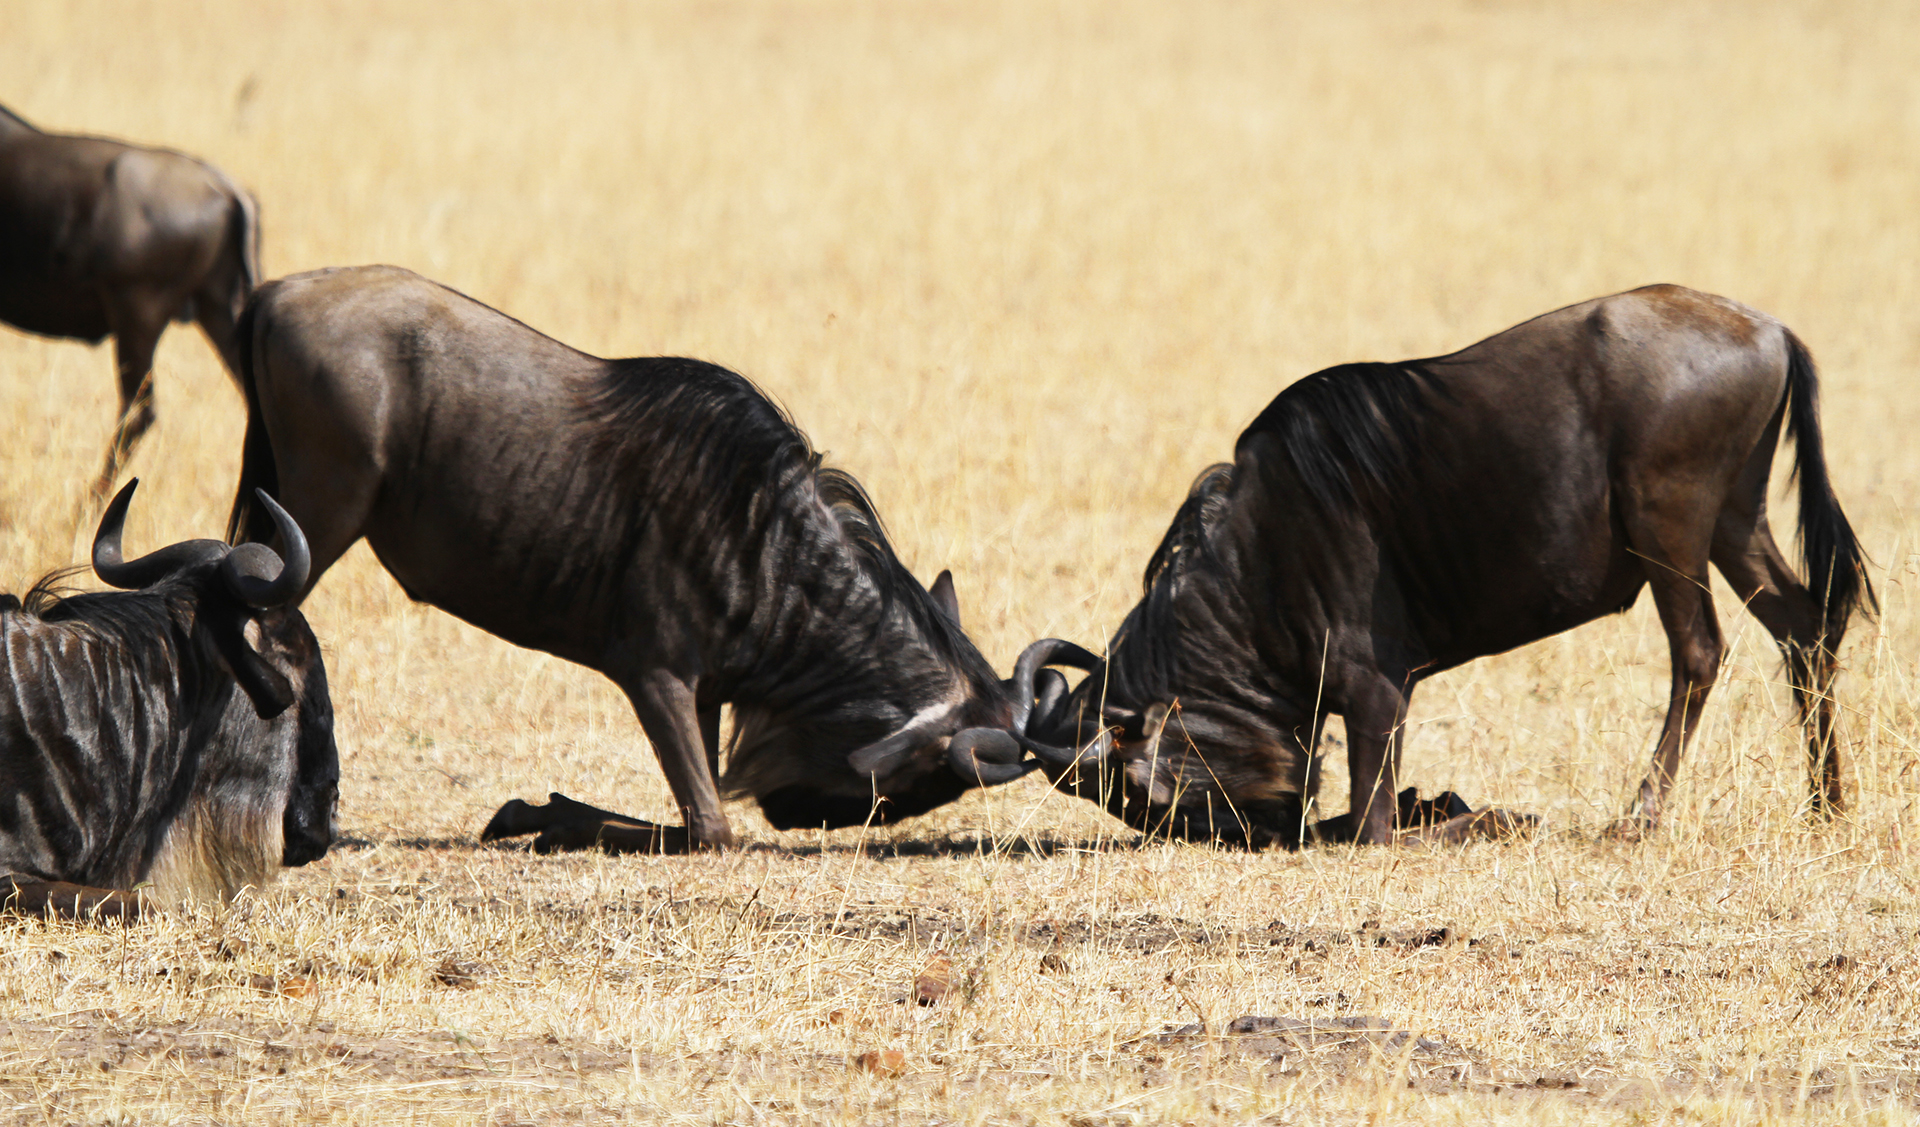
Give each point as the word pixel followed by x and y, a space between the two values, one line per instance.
pixel 1746 554
pixel 1693 642
pixel 137 321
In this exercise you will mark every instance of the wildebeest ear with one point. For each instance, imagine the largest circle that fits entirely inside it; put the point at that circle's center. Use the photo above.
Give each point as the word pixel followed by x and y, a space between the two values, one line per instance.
pixel 944 597
pixel 269 690
pixel 1153 722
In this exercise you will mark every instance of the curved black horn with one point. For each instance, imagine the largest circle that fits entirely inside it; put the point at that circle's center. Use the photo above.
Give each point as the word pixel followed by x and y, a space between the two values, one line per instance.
pixel 881 757
pixel 131 575
pixel 1045 652
pixel 260 576
pixel 1063 758
pixel 988 756
pixel 1049 693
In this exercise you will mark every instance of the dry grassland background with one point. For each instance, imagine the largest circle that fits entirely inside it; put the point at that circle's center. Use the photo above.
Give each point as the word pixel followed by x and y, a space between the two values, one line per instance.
pixel 1025 269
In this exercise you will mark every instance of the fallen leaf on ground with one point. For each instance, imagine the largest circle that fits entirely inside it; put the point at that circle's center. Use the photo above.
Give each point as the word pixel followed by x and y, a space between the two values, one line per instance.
pixel 932 983
pixel 882 1062
pixel 290 986
pixel 459 974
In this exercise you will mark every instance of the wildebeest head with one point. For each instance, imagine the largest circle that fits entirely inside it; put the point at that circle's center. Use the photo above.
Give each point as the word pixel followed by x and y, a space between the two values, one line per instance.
pixel 943 703
pixel 1176 732
pixel 270 757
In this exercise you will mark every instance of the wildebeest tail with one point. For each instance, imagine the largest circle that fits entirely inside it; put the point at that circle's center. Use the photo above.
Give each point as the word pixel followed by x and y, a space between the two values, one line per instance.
pixel 249 521
pixel 243 235
pixel 1836 568
pixel 246 235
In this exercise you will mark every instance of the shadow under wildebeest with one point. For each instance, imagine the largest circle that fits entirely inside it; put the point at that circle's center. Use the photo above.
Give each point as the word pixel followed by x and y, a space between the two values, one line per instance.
pixel 1381 523
pixel 656 519
pixel 101 238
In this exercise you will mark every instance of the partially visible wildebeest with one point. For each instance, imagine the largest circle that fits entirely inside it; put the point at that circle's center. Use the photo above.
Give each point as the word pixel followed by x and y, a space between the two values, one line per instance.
pixel 99 238
pixel 176 735
pixel 656 519
pixel 1383 522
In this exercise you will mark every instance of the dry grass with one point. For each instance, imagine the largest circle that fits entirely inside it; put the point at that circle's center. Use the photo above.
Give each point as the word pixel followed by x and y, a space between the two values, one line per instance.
pixel 1025 268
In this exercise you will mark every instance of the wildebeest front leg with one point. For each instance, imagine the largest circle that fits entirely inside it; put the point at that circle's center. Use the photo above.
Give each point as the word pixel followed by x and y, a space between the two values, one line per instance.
pixel 1374 719
pixel 710 738
pixel 687 741
pixel 670 716
pixel 68 901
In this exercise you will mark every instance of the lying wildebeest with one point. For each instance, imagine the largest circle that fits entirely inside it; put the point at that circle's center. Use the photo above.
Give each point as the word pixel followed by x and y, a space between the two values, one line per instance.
pixel 1383 522
pixel 656 519
pixel 177 734
pixel 102 238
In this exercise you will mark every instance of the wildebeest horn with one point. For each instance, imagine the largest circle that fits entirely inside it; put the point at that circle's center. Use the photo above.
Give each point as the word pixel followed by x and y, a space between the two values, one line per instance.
pixel 131 575
pixel 1045 652
pixel 1051 651
pixel 881 757
pixel 258 575
pixel 988 756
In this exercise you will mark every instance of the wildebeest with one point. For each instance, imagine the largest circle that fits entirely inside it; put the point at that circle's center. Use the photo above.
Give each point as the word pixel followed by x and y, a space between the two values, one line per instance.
pixel 1383 522
pixel 100 238
pixel 655 519
pixel 177 734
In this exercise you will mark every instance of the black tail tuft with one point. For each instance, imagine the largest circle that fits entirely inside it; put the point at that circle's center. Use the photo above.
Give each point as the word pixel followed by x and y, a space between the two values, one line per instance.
pixel 1836 568
pixel 249 521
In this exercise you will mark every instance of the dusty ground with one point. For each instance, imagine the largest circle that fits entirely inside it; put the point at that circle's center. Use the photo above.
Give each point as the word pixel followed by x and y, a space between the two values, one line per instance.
pixel 1024 269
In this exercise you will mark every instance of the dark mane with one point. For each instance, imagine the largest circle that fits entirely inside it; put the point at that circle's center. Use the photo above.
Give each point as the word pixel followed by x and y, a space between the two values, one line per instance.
pixel 1187 538
pixel 1349 433
pixel 701 433
pixel 847 500
pixel 147 626
pixel 1146 652
pixel 717 435
pixel 1350 430
pixel 43 599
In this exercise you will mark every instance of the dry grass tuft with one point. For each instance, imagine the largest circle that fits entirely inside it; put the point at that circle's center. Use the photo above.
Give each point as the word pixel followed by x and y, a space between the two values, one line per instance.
pixel 1025 269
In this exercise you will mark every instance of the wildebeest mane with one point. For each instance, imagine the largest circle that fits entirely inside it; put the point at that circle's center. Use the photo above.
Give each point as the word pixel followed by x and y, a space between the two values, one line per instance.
pixel 1188 536
pixel 1147 650
pixel 48 592
pixel 689 430
pixel 1350 430
pixel 860 522
pixel 145 626
pixel 1350 434
pixel 721 447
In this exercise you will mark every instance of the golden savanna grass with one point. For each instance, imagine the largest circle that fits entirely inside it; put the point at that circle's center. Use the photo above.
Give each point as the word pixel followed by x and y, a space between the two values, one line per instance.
pixel 1025 269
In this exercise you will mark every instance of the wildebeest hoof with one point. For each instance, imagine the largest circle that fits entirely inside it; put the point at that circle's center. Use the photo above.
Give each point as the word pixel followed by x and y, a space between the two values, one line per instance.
pixel 514 818
pixel 1631 828
pixel 1482 825
pixel 70 901
pixel 612 836
pixel 565 825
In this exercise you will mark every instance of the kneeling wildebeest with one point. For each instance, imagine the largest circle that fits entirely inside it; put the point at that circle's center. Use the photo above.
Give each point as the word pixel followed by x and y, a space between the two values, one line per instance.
pixel 176 735
pixel 1383 522
pixel 655 519
pixel 102 238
